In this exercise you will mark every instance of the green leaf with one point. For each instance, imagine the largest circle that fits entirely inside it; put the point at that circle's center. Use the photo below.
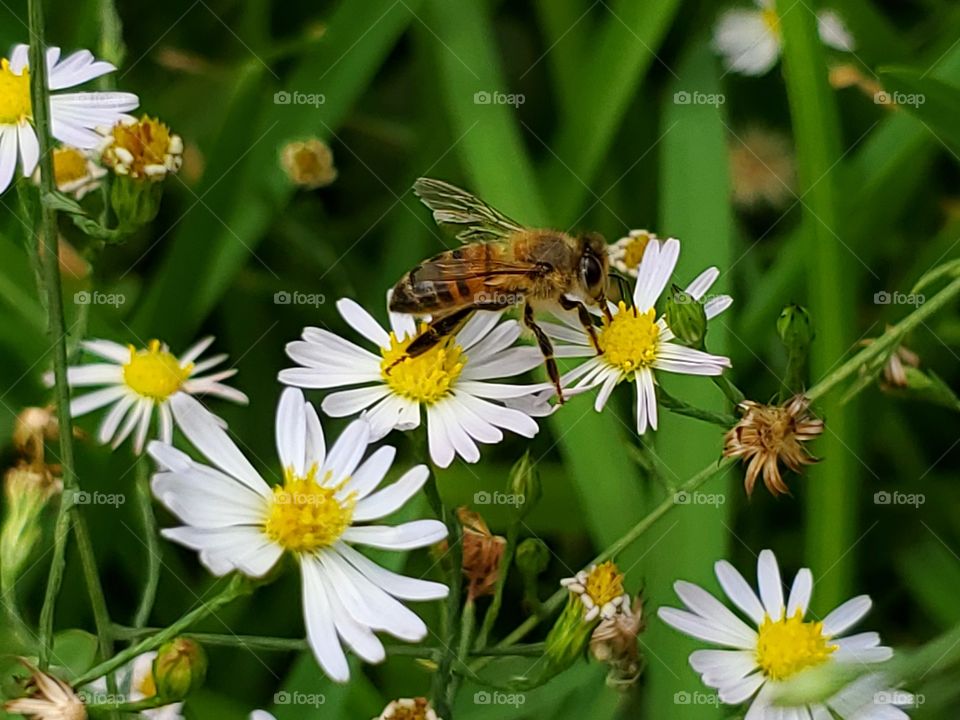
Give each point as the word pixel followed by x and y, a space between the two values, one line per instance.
pixel 935 103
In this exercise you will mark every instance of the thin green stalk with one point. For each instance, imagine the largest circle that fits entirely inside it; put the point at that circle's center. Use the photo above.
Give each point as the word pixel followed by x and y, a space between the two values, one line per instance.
pixel 237 586
pixel 48 250
pixel 98 602
pixel 467 624
pixel 490 618
pixel 679 407
pixel 150 534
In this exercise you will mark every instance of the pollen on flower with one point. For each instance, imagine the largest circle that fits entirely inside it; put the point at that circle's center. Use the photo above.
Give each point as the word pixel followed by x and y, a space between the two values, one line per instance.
pixel 154 372
pixel 426 378
pixel 600 589
pixel 142 149
pixel 629 340
pixel 14 95
pixel 305 516
pixel 789 645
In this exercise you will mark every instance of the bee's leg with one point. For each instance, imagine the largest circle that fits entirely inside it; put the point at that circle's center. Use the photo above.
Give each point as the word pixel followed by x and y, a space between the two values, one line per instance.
pixel 546 347
pixel 585 319
pixel 435 333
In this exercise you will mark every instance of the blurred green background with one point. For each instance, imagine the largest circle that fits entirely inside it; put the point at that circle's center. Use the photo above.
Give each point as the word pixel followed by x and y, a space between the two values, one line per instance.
pixel 600 141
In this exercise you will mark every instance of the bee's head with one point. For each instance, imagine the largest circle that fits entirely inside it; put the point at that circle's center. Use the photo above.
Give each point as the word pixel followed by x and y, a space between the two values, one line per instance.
pixel 594 266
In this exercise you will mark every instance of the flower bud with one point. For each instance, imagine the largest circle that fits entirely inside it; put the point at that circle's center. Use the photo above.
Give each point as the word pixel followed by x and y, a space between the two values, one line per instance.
pixel 27 488
pixel 308 164
pixel 532 557
pixel 795 328
pixel 686 318
pixel 524 485
pixel 179 668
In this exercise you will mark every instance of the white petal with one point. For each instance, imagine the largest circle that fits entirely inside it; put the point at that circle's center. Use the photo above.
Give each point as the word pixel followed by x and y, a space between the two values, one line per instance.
pixel 742 690
pixel 8 155
pixel 316 447
pixel 75 69
pixel 645 389
pixel 507 418
pixel 407 536
pixel 358 636
pixel 392 413
pixel 771 588
pixel 847 615
pixel 462 443
pixel 477 328
pixel 702 629
pixel 350 402
pixel 739 591
pixel 709 608
pixel 473 424
pixel 833 32
pixel 495 342
pixel 143 427
pixel 203 430
pixel 29 149
pixel 108 349
pixel 656 267
pixel 716 305
pixel 371 473
pixel 746 42
pixel 225 549
pixel 94 374
pixel 400 586
pixel 347 451
pixel 141 407
pixel 95 400
pixel 800 593
pixel 723 667
pixel 203 497
pixel 363 322
pixel 507 363
pixel 498 391
pixel 291 431
pixel 195 351
pixel 703 282
pixel 441 448
pixel 392 497
pixel 113 418
pixel 19 58
pixel 318 616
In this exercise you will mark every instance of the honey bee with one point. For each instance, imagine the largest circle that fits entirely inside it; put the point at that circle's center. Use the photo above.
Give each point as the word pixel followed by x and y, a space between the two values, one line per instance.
pixel 501 264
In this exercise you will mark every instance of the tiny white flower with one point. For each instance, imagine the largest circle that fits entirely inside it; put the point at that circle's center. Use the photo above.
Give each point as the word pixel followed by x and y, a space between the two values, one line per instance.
pixel 135 682
pixel 635 343
pixel 600 589
pixel 450 382
pixel 73 116
pixel 627 252
pixel 325 505
pixel 749 41
pixel 139 381
pixel 779 643
pixel 75 171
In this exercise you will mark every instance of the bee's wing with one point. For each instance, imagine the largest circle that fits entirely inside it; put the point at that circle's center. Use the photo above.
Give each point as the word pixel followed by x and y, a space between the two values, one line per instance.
pixel 473 219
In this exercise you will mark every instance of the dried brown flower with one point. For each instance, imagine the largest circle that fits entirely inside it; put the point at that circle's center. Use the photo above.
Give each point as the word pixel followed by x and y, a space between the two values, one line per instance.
pixel 770 434
pixel 482 552
pixel 50 699
pixel 614 641
pixel 763 169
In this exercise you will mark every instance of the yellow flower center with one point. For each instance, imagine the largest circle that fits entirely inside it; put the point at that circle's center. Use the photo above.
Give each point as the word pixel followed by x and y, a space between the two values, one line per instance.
pixel 305 516
pixel 148 686
pixel 69 166
pixel 629 341
pixel 14 95
pixel 604 583
pixel 154 372
pixel 425 378
pixel 138 146
pixel 789 645
pixel 771 20
pixel 633 252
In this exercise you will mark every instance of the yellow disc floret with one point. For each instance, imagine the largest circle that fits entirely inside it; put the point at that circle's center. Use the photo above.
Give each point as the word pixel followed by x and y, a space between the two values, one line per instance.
pixel 69 166
pixel 305 516
pixel 14 95
pixel 143 149
pixel 426 378
pixel 154 372
pixel 629 340
pixel 604 583
pixel 633 252
pixel 789 645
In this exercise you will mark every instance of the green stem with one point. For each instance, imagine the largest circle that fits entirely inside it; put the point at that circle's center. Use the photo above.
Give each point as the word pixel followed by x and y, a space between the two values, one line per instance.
pixel 467 625
pixel 150 534
pixel 237 586
pixel 681 408
pixel 490 618
pixel 56 326
pixel 128 706
pixel 98 602
pixel 731 391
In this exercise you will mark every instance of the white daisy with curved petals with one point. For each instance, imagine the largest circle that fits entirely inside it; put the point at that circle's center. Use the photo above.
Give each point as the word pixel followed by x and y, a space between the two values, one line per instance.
pixel 771 642
pixel 138 381
pixel 635 343
pixel 73 116
pixel 749 41
pixel 327 503
pixel 450 382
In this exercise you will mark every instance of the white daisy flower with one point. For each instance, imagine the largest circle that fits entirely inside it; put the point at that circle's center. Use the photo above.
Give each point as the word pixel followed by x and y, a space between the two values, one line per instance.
pixel 600 589
pixel 74 170
pixel 139 381
pixel 635 343
pixel 236 521
pixel 780 645
pixel 136 682
pixel 627 252
pixel 73 116
pixel 749 41
pixel 450 382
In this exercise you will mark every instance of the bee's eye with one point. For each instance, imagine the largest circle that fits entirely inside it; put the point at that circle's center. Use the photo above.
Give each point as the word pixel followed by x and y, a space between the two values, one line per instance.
pixel 591 273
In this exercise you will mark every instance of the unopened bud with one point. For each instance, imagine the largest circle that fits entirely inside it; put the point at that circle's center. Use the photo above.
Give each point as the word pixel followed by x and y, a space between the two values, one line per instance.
pixel 686 318
pixel 525 484
pixel 795 328
pixel 27 489
pixel 179 668
pixel 532 557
